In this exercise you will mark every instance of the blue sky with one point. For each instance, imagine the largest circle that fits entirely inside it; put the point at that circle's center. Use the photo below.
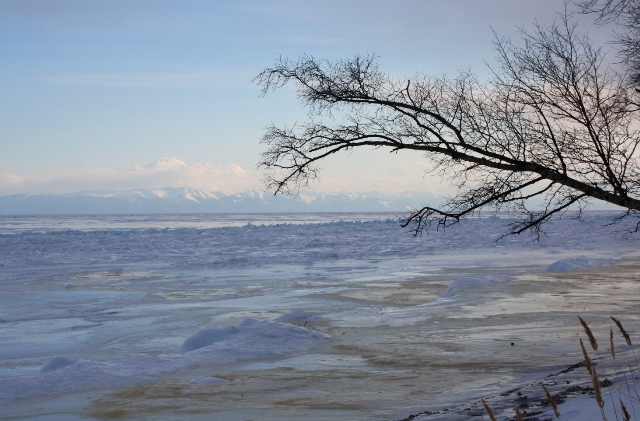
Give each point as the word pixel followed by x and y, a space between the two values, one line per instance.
pixel 138 94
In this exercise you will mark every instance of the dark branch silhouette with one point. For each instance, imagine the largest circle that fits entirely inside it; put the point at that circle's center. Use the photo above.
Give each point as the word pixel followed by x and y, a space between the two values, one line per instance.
pixel 625 13
pixel 554 123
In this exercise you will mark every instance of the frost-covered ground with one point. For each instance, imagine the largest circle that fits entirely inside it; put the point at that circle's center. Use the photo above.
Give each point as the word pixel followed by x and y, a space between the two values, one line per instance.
pixel 294 317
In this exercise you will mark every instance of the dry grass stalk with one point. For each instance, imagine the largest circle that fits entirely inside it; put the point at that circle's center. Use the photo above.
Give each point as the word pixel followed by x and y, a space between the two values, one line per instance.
pixel 596 387
pixel 551 401
pixel 587 360
pixel 592 339
pixel 613 348
pixel 594 375
pixel 518 414
pixel 489 411
pixel 626 336
pixel 626 416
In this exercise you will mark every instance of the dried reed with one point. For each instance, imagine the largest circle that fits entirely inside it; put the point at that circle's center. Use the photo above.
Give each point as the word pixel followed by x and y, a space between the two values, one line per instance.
pixel 551 400
pixel 627 339
pixel 596 387
pixel 591 368
pixel 626 416
pixel 518 414
pixel 613 348
pixel 489 411
pixel 587 360
pixel 626 336
pixel 594 345
pixel 587 330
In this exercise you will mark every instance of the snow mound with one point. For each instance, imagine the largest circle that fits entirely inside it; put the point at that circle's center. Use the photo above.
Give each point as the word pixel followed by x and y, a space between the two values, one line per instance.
pixel 207 337
pixel 299 316
pixel 250 340
pixel 468 283
pixel 577 263
pixel 56 364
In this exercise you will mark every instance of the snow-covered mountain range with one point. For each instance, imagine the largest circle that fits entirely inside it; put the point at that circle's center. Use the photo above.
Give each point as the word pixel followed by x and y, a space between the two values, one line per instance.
pixel 191 200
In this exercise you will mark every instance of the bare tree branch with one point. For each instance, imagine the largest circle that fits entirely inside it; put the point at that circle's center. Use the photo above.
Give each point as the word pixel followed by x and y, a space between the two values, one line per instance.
pixel 626 14
pixel 555 123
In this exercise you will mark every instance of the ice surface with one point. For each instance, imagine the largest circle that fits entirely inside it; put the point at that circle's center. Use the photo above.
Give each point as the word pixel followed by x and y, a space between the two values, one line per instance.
pixel 250 245
pixel 210 380
pixel 416 323
pixel 11 224
pixel 459 285
pixel 299 316
pixel 252 339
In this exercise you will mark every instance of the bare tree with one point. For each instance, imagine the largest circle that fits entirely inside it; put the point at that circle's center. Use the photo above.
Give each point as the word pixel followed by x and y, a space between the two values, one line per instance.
pixel 625 13
pixel 554 123
pixel 608 9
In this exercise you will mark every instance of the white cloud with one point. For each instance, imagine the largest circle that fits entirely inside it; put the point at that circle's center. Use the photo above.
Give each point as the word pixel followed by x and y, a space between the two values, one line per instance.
pixel 379 171
pixel 168 172
pixel 364 172
pixel 394 179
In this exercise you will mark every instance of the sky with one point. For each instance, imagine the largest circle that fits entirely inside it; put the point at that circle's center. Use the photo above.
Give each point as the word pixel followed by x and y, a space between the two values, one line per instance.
pixel 115 95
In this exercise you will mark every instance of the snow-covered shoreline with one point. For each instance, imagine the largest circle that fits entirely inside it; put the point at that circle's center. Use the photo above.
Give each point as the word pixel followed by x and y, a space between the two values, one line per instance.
pixel 571 389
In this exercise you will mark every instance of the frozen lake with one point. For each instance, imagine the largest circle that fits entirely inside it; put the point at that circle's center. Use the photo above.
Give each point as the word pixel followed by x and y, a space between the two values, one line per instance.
pixel 300 316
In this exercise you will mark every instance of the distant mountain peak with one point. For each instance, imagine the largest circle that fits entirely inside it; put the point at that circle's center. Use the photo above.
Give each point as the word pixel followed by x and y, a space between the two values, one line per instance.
pixel 194 200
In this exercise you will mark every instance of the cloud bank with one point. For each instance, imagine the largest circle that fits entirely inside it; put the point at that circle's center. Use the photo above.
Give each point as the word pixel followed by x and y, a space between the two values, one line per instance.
pixel 167 172
pixel 362 173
